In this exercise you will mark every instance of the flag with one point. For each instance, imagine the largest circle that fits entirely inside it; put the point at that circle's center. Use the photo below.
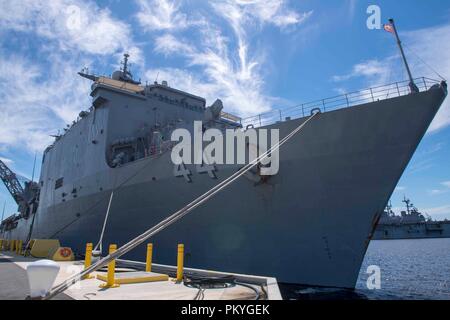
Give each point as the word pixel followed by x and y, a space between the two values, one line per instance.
pixel 389 27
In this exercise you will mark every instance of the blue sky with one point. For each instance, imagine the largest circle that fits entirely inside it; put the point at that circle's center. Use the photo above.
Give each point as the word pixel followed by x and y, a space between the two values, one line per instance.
pixel 254 55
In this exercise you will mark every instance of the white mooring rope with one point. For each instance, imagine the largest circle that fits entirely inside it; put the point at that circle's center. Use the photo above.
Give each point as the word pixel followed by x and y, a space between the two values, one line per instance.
pixel 173 217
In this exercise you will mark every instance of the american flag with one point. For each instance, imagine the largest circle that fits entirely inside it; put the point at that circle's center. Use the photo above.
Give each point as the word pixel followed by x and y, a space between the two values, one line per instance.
pixel 389 28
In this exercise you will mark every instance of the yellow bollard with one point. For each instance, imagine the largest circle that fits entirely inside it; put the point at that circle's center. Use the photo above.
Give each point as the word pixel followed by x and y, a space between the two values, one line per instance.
pixel 1 244
pixel 19 247
pixel 180 260
pixel 110 282
pixel 88 259
pixel 148 261
pixel 13 245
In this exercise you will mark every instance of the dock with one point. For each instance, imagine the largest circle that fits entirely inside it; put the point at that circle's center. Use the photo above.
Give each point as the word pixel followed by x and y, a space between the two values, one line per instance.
pixel 14 283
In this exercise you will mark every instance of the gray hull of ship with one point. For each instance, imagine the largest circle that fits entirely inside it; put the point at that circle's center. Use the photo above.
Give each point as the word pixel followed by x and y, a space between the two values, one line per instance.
pixel 310 224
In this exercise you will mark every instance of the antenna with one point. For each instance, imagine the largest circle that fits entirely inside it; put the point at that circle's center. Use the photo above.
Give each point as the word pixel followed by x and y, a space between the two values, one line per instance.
pixel 156 80
pixel 125 63
pixel 34 167
pixel 412 85
pixel 408 204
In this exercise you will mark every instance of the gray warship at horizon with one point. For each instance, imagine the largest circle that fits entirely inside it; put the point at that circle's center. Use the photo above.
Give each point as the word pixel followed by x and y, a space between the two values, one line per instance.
pixel 309 224
pixel 410 224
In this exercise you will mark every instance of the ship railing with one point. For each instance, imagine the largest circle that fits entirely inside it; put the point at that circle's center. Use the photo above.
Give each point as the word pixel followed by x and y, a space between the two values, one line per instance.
pixel 346 100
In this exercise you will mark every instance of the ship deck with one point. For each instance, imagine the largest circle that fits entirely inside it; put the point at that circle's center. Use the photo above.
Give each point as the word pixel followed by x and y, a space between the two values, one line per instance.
pixel 15 286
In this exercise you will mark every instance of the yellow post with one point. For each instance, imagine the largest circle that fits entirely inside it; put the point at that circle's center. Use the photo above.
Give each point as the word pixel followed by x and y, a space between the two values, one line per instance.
pixel 111 270
pixel 13 245
pixel 180 260
pixel 19 247
pixel 88 259
pixel 148 262
pixel 1 244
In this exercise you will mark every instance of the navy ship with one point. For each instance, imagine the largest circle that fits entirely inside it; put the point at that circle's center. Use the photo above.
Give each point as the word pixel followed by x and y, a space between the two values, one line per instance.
pixel 410 224
pixel 310 224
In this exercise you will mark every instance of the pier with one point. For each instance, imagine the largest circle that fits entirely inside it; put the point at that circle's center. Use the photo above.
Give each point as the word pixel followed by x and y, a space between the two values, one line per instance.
pixel 13 277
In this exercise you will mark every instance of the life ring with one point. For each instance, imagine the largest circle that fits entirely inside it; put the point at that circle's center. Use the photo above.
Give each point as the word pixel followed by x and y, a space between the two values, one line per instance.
pixel 65 252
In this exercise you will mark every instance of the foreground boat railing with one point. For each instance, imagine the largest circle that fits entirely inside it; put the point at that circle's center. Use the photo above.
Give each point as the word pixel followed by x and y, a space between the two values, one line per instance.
pixel 378 93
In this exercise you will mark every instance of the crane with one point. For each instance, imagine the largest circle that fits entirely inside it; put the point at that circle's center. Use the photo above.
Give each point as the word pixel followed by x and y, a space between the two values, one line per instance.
pixel 11 182
pixel 26 198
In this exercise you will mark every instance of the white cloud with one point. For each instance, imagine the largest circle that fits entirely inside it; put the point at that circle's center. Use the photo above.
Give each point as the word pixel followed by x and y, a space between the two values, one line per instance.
pixel 430 45
pixel 446 184
pixel 400 188
pixel 438 213
pixel 269 11
pixel 7 161
pixel 222 68
pixel 375 71
pixel 34 107
pixel 40 92
pixel 157 15
pixel 436 192
pixel 73 24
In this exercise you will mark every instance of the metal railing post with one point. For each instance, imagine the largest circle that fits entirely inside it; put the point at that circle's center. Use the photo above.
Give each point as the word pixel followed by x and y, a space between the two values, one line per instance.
pixel 346 98
pixel 398 89
pixel 323 104
pixel 371 93
pixel 424 83
pixel 303 110
pixel 259 120
pixel 281 118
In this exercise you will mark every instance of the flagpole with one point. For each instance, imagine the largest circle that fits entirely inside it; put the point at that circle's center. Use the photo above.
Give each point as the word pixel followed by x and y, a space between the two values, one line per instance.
pixel 412 85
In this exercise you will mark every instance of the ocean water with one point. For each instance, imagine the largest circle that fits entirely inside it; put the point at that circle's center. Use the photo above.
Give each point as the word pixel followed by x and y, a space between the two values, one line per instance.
pixel 408 270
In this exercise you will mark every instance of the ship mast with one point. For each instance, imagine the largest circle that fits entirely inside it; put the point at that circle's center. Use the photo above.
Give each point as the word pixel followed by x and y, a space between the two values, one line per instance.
pixel 412 85
pixel 125 63
pixel 408 204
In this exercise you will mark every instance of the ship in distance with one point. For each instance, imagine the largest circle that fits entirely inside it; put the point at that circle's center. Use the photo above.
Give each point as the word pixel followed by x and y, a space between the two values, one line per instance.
pixel 410 224
pixel 309 224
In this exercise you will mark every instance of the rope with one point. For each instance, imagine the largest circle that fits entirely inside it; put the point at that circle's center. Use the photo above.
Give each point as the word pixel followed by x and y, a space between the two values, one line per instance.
pixel 99 244
pixel 423 61
pixel 174 217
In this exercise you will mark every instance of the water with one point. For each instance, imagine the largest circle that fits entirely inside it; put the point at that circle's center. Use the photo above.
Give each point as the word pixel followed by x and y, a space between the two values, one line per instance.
pixel 409 269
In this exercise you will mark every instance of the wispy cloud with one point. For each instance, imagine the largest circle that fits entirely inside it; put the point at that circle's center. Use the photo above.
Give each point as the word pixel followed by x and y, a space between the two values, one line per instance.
pixel 220 65
pixel 156 15
pixel 446 189
pixel 430 45
pixel 36 107
pixel 374 70
pixel 73 24
pixel 38 96
pixel 7 161
pixel 438 213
